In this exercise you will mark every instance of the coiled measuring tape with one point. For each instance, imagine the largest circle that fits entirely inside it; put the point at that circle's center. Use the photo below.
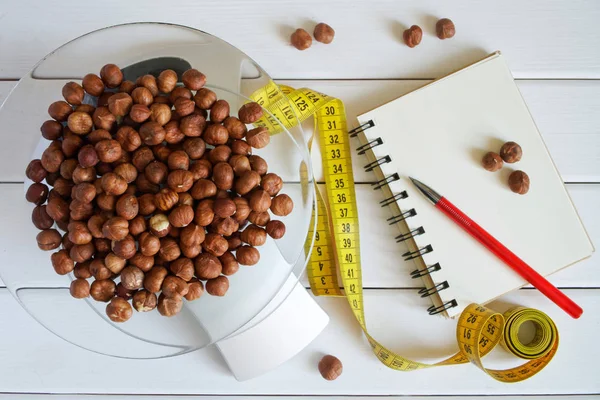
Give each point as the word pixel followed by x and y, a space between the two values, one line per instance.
pixel 336 250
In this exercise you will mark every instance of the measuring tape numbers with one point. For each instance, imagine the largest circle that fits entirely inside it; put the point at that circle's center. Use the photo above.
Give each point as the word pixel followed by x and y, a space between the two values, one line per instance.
pixel 335 255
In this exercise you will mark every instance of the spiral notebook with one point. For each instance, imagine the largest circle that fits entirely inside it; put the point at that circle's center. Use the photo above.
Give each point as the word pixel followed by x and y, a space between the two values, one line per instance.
pixel 438 134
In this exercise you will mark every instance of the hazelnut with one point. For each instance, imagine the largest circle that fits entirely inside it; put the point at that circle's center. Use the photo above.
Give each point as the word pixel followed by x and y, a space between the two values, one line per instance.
pixel 194 148
pixel 108 150
pixel 215 134
pixel 169 249
pixel 99 270
pixel 178 160
pixel 142 157
pixel 103 290
pixel 119 310
pixel 146 204
pixel 234 241
pixel 445 29
pixel 192 235
pixel 258 137
pixel 260 201
pixel 144 301
pixel 81 174
pixel 58 209
pixel 93 84
pixel 63 187
pixel 139 113
pixel 143 96
pixel 124 293
pixel 71 144
pixel 195 290
pixel 275 229
pixel 80 288
pixel 324 33
pixel 203 188
pixel 149 244
pixel 241 147
pixel 301 39
pixel 48 239
pixel 156 172
pixel 127 207
pixel 120 104
pixel 271 183
pixel 193 79
pixel 183 268
pixel 160 113
pixel 102 247
pixel 106 202
pixel 82 252
pixel 126 171
pixel 201 169
pixel 235 127
pixel 281 205
pixel 167 80
pixel 80 211
pixel 37 193
pixel 179 92
pixel 82 270
pixel 103 119
pixel 492 161
pixel 181 216
pixel 180 180
pixel 330 367
pixel 511 152
pixel 229 264
pixel 94 225
pixel 207 266
pixel 62 262
pixel 154 279
pixel 205 98
pixel 145 263
pixel 249 113
pixel 219 111
pixel 223 176
pixel 66 243
pixel 128 139
pixel 254 235
pixel 127 87
pixel 98 135
pixel 60 110
pixel 173 285
pixel 204 212
pixel 159 225
pixel 186 198
pixel 86 108
pixel 41 219
pixel 51 159
pixel 132 277
pixel 166 199
pixel 215 244
pixel 113 184
pixel 80 123
pixel 149 82
pixel 518 181
pixel 173 134
pixel 412 36
pixel 192 125
pixel 169 306
pixel 247 255
pixel 219 154
pixel 51 130
pixel 111 75
pixel 258 164
pixel 247 181
pixel 115 228
pixel 137 225
pixel 161 152
pixel 242 209
pixel 225 226
pixel 239 163
pixel 217 286
pixel 79 232
pixel 184 107
pixel 152 133
pixel 145 186
pixel 224 207
pixel 103 99
pixel 88 157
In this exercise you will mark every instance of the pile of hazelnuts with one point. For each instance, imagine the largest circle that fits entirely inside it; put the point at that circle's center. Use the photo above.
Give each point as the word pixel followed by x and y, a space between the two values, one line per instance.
pixel 155 189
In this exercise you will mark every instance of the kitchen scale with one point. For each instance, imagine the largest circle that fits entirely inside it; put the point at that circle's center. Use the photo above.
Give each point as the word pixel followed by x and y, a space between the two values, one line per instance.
pixel 266 316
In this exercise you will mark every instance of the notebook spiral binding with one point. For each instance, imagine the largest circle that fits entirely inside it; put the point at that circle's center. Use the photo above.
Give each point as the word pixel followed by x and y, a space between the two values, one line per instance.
pixel 410 255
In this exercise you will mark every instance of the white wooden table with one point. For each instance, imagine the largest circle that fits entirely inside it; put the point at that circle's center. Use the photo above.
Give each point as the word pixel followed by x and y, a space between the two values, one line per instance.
pixel 553 48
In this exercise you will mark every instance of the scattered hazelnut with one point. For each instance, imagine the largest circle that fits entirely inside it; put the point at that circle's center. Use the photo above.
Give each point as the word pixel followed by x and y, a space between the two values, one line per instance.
pixel 119 310
pixel 184 107
pixel 82 270
pixel 154 279
pixel 281 205
pixel 179 92
pixel 167 80
pixel 518 182
pixel 234 241
pixel 142 96
pixel 173 286
pixel 124 293
pixel 132 278
pixel 149 244
pixel 159 225
pixel 99 270
pixel 41 219
pixel 215 244
pixel 80 211
pixel 142 157
pixel 145 263
pixel 108 150
pixel 51 159
pixel 58 209
pixel 229 264
pixel 182 268
pixel 60 110
pixel 260 201
pixel 169 249
pixel 81 174
pixel 254 235
pixel 236 128
pixel 249 113
pixel 106 202
pixel 203 188
pixel 124 248
pixel 173 134
pixel 152 133
pixel 48 239
pixel 127 207
pixel 51 130
pixel 219 111
pixel 82 252
pixel 259 218
pixel 301 39
pixel 207 266
pixel 37 193
pixel 93 84
pixel 178 160
pixel 215 134
pixel 113 184
pixel 192 125
pixel 149 82
pixel 217 286
pixel 126 171
pixel 191 236
pixel 275 229
pixel 144 301
pixel 445 29
pixel 103 290
pixel 195 290
pixel 79 232
pixel 412 36
pixel 224 207
pixel 194 148
pixel 258 137
pixel 80 288
pixel 115 228
pixel 492 161
pixel 127 87
pixel 258 164
pixel 146 204
pixel 247 255
pixel 169 306
pixel 111 75
pixel 201 169
pixel 271 183
pixel 120 104
pixel 73 93
pixel 222 176
pixel 160 113
pixel 330 367
pixel 156 172
pixel 205 98
pixel 193 79
pixel 181 216
pixel 180 180
pixel 166 199
pixel 511 152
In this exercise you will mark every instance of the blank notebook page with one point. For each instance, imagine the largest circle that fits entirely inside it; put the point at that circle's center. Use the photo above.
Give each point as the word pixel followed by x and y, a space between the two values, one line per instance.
pixel 438 134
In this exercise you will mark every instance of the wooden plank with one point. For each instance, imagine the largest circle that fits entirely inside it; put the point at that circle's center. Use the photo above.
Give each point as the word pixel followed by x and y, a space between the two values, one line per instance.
pixel 383 266
pixel 26 346
pixel 567 113
pixel 540 39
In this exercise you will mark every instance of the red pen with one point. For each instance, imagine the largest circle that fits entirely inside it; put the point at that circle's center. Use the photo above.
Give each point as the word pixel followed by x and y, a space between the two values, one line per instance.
pixel 493 245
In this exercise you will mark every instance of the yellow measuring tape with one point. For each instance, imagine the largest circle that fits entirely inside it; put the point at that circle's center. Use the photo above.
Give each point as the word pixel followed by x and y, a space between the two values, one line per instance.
pixel 337 247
